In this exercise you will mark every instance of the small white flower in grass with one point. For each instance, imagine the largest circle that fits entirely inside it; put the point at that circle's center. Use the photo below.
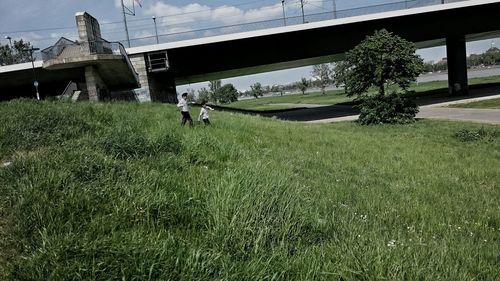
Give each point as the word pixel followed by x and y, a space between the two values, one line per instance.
pixel 364 217
pixel 205 167
pixel 5 164
pixel 391 243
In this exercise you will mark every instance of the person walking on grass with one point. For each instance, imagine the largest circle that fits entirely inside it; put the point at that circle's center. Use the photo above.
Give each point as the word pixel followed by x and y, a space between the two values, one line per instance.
pixel 183 105
pixel 204 113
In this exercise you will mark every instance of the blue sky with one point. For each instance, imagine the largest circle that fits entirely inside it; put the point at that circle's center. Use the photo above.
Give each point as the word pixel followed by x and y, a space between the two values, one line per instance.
pixel 42 22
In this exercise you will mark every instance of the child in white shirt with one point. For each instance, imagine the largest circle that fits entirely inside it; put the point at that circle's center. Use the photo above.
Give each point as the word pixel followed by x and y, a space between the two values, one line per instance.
pixel 183 105
pixel 204 113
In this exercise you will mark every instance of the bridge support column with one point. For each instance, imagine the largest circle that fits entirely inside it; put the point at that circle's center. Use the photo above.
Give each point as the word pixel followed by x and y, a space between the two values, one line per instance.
pixel 96 88
pixel 457 65
pixel 162 87
pixel 155 86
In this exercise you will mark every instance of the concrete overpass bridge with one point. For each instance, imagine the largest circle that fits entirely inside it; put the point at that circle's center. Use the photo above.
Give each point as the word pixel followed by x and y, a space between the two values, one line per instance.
pixel 161 67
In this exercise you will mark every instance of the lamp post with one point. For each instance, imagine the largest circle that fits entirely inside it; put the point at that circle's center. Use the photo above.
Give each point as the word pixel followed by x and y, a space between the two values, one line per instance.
pixel 11 49
pixel 283 6
pixel 35 82
pixel 156 30
pixel 10 40
pixel 302 7
pixel 334 9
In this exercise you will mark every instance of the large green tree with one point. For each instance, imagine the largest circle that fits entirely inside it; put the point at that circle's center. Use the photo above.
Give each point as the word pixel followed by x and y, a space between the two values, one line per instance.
pixel 228 94
pixel 303 84
pixel 214 87
pixel 389 64
pixel 381 61
pixel 256 90
pixel 203 95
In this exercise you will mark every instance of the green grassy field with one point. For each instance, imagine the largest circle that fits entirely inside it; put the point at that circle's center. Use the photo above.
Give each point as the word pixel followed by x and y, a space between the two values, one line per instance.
pixel 492 103
pixel 338 96
pixel 122 192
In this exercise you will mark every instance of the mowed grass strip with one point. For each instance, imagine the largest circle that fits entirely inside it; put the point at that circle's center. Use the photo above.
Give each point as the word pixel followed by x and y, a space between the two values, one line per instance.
pixel 277 102
pixel 491 103
pixel 122 192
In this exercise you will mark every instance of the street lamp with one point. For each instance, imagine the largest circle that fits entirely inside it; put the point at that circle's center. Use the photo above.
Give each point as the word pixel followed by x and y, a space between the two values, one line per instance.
pixel 283 6
pixel 35 82
pixel 10 40
pixel 11 50
pixel 156 30
pixel 302 7
pixel 334 9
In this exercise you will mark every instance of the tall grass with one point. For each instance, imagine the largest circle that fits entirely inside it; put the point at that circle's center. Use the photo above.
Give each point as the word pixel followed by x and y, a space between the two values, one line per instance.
pixel 122 192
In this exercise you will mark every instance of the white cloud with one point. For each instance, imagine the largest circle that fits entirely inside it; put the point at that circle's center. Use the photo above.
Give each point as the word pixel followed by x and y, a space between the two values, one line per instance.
pixel 170 15
pixel 173 15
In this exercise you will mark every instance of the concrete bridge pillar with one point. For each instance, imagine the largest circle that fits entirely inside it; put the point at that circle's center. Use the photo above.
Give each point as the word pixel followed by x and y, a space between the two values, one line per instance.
pixel 457 65
pixel 96 88
pixel 156 86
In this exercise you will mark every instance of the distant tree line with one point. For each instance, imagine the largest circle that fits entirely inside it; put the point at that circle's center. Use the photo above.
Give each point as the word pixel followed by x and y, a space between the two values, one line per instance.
pixel 215 93
pixel 488 58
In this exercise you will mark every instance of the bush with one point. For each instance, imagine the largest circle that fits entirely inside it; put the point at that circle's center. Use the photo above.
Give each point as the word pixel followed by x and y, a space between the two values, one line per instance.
pixel 388 109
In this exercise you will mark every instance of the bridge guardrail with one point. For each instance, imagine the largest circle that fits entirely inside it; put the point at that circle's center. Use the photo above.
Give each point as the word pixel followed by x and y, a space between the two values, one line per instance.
pixel 70 48
pixel 259 25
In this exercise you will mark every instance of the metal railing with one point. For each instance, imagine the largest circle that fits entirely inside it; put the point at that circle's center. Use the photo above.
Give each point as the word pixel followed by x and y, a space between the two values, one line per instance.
pixel 98 47
pixel 72 49
pixel 308 18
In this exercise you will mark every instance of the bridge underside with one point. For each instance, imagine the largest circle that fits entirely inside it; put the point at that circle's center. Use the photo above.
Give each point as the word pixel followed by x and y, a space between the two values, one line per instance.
pixel 327 43
pixel 20 83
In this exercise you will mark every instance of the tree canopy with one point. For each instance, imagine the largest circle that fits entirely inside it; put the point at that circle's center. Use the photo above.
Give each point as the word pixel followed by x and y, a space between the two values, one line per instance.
pixel 18 53
pixel 256 90
pixel 322 73
pixel 381 60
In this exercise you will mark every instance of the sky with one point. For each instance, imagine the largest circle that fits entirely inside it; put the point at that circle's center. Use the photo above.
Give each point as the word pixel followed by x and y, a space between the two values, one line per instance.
pixel 43 22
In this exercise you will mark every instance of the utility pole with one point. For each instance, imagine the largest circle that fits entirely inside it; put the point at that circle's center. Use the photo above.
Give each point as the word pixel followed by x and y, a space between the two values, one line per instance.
pixel 283 6
pixel 302 7
pixel 125 22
